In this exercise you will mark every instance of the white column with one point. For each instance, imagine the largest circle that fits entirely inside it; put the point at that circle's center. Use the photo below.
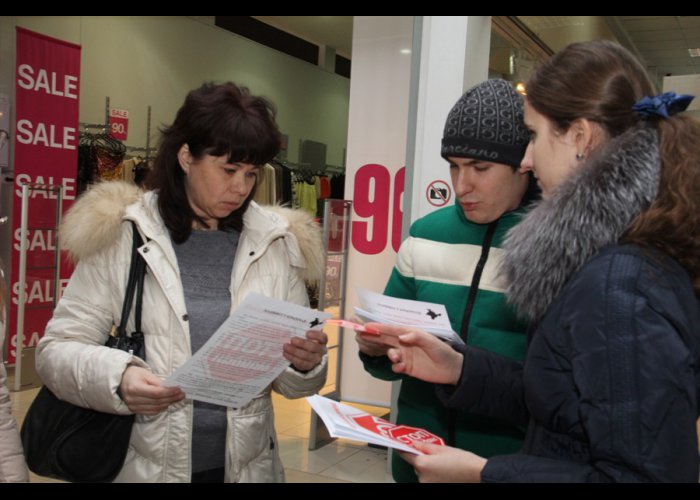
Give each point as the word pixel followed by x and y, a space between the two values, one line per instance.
pixel 379 83
pixel 451 54
pixel 407 73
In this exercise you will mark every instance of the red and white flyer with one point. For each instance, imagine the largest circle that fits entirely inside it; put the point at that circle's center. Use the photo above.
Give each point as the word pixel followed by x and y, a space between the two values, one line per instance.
pixel 348 422
pixel 245 354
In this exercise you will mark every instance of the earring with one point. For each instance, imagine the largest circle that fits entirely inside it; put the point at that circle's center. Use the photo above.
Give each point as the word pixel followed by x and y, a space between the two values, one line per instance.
pixel 580 156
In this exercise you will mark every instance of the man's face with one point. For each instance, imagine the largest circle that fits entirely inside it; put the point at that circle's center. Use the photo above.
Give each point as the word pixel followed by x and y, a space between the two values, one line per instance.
pixel 486 190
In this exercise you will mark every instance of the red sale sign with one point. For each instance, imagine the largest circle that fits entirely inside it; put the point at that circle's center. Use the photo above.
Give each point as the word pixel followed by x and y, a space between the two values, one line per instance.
pixel 118 123
pixel 47 83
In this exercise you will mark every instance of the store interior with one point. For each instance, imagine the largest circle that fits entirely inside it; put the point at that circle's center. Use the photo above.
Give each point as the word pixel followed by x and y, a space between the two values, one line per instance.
pixel 146 65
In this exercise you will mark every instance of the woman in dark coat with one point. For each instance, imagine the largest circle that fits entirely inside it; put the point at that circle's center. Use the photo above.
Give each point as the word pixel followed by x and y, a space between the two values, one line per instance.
pixel 607 270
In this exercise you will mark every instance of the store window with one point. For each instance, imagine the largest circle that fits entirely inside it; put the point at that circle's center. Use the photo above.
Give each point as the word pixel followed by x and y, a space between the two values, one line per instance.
pixel 515 50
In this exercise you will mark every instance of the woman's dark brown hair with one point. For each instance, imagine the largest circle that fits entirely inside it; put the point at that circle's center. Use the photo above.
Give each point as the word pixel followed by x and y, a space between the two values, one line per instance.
pixel 601 81
pixel 597 80
pixel 672 222
pixel 216 120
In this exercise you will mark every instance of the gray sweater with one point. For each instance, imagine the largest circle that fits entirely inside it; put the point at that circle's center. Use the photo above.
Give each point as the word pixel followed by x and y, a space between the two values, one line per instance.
pixel 206 261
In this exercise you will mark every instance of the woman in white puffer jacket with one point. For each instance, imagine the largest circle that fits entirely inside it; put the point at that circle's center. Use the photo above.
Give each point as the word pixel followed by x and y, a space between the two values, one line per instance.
pixel 12 466
pixel 203 180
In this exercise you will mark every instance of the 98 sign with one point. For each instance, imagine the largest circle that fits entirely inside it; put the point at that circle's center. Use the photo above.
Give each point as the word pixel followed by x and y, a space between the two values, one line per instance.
pixel 371 201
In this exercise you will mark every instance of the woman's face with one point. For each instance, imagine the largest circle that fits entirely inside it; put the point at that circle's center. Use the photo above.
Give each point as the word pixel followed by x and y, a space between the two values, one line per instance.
pixel 551 155
pixel 214 187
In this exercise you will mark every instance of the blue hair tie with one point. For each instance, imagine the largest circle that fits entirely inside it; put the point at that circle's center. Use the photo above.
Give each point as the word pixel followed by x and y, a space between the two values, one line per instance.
pixel 663 105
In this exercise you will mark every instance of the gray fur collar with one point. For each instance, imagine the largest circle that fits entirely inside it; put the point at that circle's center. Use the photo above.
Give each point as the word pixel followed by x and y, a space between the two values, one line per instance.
pixel 589 211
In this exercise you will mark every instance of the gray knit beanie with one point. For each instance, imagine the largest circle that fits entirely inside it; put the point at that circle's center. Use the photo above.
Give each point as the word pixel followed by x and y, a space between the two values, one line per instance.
pixel 487 124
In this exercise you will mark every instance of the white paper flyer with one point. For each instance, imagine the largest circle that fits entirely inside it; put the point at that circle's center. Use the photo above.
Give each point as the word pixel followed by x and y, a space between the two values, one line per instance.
pixel 424 315
pixel 245 354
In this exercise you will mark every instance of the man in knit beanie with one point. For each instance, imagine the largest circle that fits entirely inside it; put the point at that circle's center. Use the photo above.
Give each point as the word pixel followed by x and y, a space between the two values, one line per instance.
pixel 486 123
pixel 452 257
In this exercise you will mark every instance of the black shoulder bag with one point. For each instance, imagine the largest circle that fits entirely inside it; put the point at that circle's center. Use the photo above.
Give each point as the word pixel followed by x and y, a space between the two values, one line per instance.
pixel 77 444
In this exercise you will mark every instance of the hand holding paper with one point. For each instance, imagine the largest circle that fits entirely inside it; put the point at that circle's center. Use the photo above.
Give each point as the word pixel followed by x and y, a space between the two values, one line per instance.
pixel 421 355
pixel 371 345
pixel 246 353
pixel 305 353
pixel 445 464
pixel 350 324
pixel 413 313
pixel 349 422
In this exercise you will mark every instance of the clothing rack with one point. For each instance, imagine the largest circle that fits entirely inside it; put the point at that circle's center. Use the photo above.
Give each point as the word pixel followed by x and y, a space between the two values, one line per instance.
pixel 335 169
pixel 303 172
pixel 134 149
pixel 101 126
pixel 99 155
pixel 307 168
pixel 148 149
pixel 302 183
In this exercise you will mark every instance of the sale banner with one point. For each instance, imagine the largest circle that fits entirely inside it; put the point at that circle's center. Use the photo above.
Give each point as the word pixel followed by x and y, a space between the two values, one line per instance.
pixel 47 85
pixel 119 123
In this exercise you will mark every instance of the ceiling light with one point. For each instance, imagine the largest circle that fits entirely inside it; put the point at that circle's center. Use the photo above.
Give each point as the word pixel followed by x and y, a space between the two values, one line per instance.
pixel 520 88
pixel 694 52
pixel 405 51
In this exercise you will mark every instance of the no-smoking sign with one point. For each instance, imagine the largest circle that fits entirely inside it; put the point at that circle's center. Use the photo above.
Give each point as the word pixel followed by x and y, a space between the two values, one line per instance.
pixel 438 193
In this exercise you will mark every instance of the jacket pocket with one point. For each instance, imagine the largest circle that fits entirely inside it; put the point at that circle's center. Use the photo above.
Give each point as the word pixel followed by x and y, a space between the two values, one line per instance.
pixel 253 448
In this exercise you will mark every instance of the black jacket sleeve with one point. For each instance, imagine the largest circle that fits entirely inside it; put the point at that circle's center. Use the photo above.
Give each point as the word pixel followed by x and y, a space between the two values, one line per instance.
pixel 490 385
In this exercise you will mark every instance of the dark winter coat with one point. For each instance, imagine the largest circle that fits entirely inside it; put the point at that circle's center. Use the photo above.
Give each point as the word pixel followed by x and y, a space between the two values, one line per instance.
pixel 611 380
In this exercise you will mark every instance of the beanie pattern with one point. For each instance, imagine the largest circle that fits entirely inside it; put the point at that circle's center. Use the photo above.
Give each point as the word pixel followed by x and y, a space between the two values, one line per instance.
pixel 486 124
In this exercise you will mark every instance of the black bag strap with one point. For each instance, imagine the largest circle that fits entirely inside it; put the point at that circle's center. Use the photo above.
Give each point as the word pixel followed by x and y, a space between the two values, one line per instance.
pixel 137 272
pixel 141 276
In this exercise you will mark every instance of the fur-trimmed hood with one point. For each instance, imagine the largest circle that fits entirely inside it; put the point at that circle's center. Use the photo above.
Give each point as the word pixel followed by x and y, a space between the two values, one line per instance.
pixel 308 235
pixel 589 211
pixel 93 224
pixel 94 221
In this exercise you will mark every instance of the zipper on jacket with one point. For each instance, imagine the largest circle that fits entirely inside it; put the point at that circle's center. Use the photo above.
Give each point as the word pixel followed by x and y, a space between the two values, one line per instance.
pixel 464 333
pixel 476 279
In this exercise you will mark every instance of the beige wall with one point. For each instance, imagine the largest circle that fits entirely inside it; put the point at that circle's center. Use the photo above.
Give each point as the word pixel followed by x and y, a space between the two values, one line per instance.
pixel 142 61
pixel 557 34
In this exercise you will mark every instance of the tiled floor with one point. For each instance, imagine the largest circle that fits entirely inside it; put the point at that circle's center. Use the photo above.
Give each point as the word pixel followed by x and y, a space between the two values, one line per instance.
pixel 338 462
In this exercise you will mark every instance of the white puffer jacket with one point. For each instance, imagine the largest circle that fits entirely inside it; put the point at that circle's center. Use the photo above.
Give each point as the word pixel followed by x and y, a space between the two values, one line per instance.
pixel 13 469
pixel 278 249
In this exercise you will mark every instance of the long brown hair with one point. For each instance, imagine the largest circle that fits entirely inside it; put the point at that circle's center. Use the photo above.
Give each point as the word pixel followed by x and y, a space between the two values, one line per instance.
pixel 597 80
pixel 601 81
pixel 672 222
pixel 216 120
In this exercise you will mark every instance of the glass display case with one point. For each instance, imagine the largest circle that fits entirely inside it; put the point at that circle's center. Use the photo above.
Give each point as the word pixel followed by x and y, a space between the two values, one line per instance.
pixel 336 232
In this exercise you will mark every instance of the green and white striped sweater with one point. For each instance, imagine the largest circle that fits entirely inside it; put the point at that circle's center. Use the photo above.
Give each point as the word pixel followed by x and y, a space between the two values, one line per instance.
pixel 442 259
